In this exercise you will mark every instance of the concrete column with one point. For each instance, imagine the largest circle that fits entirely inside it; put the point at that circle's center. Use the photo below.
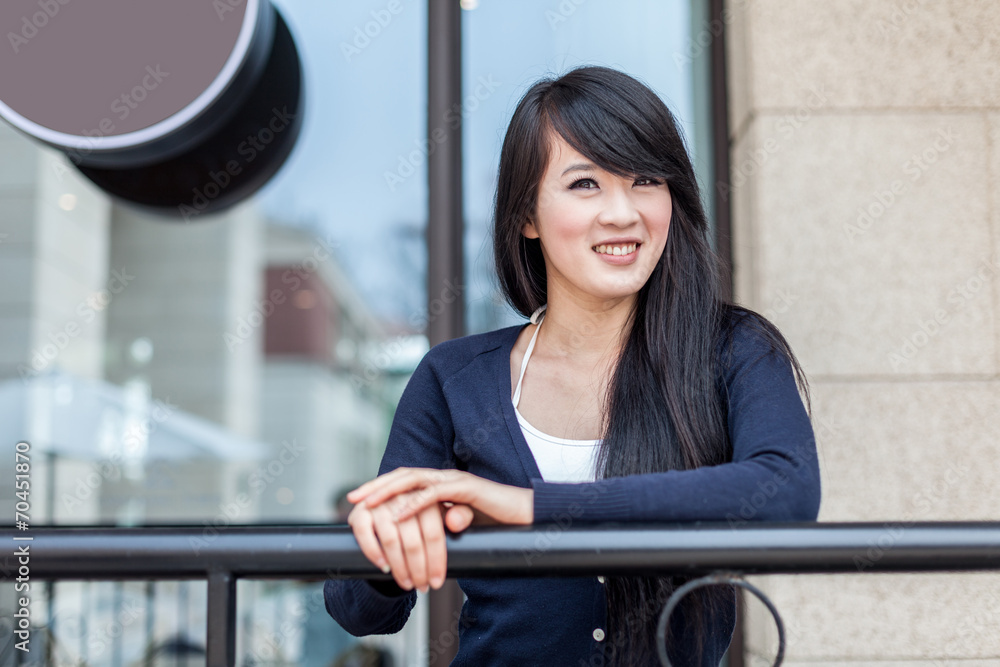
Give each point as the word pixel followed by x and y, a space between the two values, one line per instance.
pixel 865 153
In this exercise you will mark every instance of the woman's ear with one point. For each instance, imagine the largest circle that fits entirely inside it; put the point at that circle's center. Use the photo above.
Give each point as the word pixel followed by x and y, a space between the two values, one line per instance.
pixel 528 230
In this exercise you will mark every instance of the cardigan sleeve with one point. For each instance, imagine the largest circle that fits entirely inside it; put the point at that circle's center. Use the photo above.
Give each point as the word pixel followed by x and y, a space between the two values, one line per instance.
pixel 773 476
pixel 420 436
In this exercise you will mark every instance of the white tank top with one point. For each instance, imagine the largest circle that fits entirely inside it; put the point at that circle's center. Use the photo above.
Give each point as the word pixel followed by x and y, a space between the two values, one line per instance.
pixel 558 459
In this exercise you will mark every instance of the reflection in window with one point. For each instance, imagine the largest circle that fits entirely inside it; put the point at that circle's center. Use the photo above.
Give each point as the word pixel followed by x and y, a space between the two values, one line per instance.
pixel 245 367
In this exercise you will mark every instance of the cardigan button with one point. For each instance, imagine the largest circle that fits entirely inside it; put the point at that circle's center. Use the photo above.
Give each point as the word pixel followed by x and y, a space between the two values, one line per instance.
pixel 598 634
pixel 600 578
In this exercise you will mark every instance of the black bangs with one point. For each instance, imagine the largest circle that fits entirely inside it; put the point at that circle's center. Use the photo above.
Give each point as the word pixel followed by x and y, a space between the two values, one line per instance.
pixel 616 122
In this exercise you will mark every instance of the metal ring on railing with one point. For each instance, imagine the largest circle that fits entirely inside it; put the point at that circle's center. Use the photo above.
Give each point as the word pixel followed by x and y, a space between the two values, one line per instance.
pixel 733 578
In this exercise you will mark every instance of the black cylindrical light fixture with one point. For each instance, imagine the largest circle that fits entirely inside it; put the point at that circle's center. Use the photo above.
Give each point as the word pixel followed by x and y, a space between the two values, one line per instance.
pixel 179 108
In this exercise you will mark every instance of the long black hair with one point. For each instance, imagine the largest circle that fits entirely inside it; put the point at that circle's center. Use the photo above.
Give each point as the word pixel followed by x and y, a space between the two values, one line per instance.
pixel 663 410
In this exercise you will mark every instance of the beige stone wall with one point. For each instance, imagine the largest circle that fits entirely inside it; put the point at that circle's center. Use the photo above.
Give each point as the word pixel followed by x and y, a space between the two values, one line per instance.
pixel 865 149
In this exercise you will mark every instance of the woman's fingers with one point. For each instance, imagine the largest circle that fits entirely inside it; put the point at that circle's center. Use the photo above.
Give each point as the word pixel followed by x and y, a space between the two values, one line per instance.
pixel 432 527
pixel 415 552
pixel 458 518
pixel 402 480
pixel 460 490
pixel 500 503
pixel 368 487
pixel 387 531
pixel 407 533
pixel 363 525
pixel 415 548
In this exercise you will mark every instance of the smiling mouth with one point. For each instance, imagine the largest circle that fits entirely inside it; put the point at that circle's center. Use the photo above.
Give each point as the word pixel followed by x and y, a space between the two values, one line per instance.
pixel 618 250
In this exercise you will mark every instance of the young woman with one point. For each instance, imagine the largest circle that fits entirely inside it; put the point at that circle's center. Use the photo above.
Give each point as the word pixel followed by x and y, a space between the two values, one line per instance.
pixel 647 397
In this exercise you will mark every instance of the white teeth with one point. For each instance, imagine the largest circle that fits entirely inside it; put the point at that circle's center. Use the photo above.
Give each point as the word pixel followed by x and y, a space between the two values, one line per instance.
pixel 615 250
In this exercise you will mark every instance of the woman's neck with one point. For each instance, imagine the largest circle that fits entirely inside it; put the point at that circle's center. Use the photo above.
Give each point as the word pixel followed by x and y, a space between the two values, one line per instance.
pixel 585 331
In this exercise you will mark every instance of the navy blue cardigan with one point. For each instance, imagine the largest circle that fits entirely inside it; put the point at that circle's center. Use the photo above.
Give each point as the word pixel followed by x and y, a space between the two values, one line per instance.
pixel 456 412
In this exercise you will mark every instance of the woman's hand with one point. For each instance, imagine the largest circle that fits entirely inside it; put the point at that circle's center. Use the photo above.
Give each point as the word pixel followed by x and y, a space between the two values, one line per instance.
pixel 414 549
pixel 413 490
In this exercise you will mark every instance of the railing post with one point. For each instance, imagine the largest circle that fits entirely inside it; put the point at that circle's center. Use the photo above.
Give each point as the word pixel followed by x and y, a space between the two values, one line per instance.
pixel 221 630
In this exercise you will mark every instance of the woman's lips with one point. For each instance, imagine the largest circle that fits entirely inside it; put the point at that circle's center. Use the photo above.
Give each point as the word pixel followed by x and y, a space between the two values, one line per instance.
pixel 619 259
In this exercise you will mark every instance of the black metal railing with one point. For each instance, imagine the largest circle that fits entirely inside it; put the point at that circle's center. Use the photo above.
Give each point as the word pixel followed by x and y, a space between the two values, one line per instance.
pixel 718 552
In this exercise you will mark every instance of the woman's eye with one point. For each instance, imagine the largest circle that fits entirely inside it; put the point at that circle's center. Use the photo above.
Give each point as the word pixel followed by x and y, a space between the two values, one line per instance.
pixel 591 184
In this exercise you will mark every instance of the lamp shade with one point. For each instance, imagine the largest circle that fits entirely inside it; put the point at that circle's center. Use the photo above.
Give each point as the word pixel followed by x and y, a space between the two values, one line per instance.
pixel 180 108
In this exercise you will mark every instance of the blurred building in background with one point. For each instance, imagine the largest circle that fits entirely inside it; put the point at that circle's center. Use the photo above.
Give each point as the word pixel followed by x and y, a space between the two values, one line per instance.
pixel 221 371
pixel 235 332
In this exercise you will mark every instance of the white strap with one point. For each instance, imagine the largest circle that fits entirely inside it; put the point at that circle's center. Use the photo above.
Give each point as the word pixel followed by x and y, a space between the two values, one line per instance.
pixel 527 353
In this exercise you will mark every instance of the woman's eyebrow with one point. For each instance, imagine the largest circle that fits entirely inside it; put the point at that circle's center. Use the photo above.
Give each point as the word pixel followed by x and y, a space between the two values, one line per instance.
pixel 580 166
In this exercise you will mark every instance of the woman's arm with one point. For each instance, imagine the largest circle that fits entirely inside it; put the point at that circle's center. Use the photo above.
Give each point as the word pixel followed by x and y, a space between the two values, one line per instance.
pixel 420 435
pixel 774 474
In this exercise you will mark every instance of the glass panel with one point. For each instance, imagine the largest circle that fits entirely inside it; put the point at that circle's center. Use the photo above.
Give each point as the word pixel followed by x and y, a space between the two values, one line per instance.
pixel 240 367
pixel 284 623
pixel 244 367
pixel 112 623
pixel 507 46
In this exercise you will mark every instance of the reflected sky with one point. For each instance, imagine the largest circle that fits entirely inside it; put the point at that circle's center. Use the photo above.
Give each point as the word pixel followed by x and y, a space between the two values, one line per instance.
pixel 359 172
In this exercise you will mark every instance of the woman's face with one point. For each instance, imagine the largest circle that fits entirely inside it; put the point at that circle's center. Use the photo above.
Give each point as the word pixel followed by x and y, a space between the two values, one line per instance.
pixel 582 207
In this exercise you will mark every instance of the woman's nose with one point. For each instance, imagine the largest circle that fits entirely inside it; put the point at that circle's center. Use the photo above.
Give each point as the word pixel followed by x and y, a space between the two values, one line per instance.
pixel 619 207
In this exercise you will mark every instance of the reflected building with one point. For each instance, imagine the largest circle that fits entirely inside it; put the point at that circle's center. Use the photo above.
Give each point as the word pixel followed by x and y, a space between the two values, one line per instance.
pixel 235 323
pixel 213 372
